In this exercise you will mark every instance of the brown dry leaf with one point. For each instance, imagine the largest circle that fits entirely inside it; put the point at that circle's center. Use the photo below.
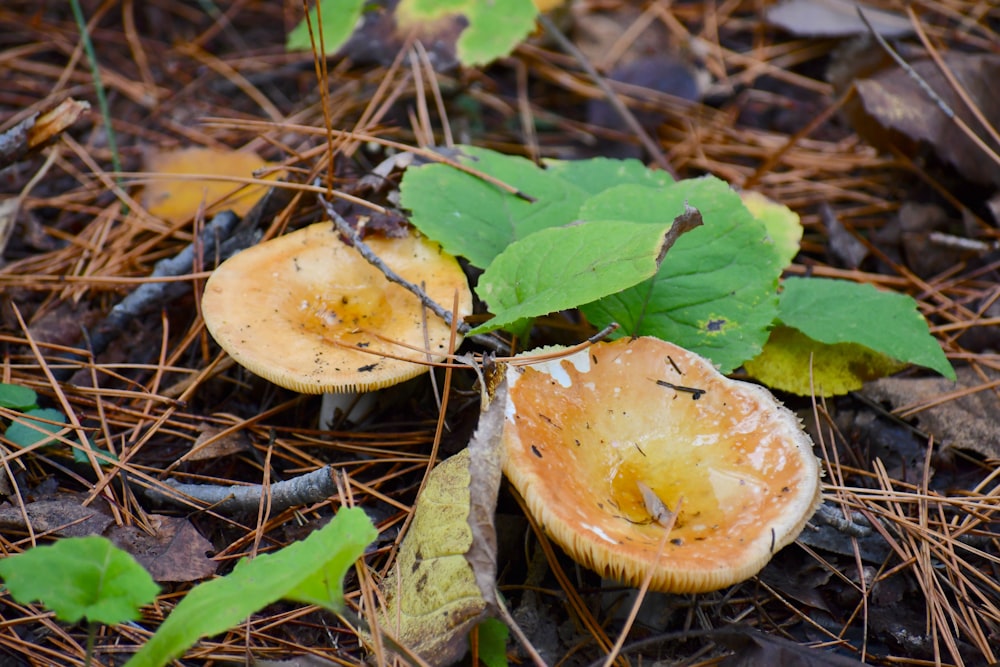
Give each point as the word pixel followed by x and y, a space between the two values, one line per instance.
pixel 899 106
pixel 229 445
pixel 39 129
pixel 54 122
pixel 753 648
pixel 443 582
pixel 174 553
pixel 63 516
pixel 968 422
pixel 177 200
pixel 834 18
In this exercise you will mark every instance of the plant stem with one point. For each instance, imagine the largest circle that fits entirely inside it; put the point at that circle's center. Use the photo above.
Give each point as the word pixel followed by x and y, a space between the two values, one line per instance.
pixel 95 72
pixel 91 637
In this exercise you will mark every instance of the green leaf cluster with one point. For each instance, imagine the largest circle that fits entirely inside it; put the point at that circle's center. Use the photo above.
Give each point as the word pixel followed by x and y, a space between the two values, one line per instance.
pixel 584 235
pixel 36 427
pixel 99 582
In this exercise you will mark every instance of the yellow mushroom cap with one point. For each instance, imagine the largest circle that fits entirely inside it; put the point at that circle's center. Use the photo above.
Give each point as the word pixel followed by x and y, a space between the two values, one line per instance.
pixel 587 438
pixel 307 312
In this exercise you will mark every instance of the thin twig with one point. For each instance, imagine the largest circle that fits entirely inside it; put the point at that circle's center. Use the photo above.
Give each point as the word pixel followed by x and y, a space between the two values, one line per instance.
pixel 365 251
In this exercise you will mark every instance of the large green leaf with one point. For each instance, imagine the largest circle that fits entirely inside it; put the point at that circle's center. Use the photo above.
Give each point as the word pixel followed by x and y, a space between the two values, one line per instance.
pixel 477 220
pixel 561 268
pixel 80 577
pixel 839 311
pixel 715 293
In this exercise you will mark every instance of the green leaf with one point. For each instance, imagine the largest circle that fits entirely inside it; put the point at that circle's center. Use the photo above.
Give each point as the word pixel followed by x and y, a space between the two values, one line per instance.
pixel 782 223
pixel 794 362
pixel 80 453
pixel 16 397
pixel 492 29
pixel 339 18
pixel 27 432
pixel 477 220
pixel 715 293
pixel 80 577
pixel 839 311
pixel 598 174
pixel 493 634
pixel 563 267
pixel 309 571
pixel 495 28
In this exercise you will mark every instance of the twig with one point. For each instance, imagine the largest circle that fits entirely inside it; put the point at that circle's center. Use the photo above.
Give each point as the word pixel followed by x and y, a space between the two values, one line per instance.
pixel 312 487
pixel 151 295
pixel 352 235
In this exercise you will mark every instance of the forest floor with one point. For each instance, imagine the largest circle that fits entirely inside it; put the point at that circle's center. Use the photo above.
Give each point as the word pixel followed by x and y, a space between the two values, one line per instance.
pixel 719 90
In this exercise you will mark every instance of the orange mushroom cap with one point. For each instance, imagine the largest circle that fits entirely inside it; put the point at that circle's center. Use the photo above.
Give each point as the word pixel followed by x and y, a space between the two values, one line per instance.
pixel 588 437
pixel 307 312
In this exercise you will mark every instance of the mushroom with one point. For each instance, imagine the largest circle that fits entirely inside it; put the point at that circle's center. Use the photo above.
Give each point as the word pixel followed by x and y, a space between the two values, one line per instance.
pixel 606 444
pixel 307 312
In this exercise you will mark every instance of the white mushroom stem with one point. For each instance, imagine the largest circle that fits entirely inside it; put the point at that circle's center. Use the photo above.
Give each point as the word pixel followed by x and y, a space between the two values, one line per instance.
pixel 338 406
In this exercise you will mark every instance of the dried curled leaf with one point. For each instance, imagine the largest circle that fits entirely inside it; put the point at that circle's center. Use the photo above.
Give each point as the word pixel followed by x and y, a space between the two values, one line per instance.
pixel 443 582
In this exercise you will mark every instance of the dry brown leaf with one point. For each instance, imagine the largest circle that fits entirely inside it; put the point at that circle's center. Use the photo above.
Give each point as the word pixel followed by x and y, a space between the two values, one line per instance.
pixel 898 105
pixel 968 422
pixel 443 582
pixel 835 18
pixel 63 516
pixel 174 553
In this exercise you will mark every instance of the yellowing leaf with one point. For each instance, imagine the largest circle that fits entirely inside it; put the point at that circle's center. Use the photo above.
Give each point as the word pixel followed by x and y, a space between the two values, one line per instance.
pixel 177 200
pixel 432 598
pixel 837 368
pixel 782 223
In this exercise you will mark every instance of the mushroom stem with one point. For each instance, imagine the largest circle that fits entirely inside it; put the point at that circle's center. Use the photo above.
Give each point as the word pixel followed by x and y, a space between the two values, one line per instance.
pixel 339 406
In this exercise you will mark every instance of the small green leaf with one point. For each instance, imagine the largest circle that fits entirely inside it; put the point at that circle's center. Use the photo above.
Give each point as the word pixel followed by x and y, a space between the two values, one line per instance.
pixel 80 454
pixel 493 634
pixel 310 571
pixel 80 577
pixel 715 293
pixel 339 18
pixel 563 267
pixel 839 311
pixel 495 28
pixel 477 220
pixel 26 432
pixel 16 397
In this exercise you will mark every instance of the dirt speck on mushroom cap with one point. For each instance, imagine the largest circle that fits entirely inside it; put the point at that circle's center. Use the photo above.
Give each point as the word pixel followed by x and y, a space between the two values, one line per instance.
pixel 585 433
